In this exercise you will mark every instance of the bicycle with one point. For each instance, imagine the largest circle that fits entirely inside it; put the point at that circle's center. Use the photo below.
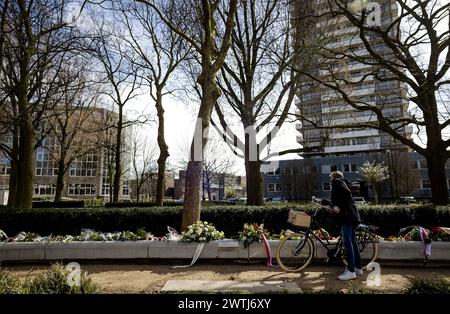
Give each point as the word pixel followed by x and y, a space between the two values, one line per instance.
pixel 297 249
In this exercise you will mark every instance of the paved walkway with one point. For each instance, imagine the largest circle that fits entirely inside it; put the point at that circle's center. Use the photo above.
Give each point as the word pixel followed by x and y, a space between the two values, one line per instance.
pixel 143 277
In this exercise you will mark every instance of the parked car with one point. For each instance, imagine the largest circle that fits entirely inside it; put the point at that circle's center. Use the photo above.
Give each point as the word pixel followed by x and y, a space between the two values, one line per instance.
pixel 359 200
pixel 407 199
pixel 277 200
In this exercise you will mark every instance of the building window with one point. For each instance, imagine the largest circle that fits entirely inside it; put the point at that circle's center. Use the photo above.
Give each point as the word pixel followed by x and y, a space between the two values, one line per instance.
pixel 5 166
pixel 426 184
pixel 349 168
pixel 423 164
pixel 273 172
pixel 414 164
pixel 355 74
pixel 82 189
pixel 84 167
pixel 45 165
pixel 274 187
pixel 105 189
pixel 44 189
pixel 326 186
pixel 125 190
pixel 326 169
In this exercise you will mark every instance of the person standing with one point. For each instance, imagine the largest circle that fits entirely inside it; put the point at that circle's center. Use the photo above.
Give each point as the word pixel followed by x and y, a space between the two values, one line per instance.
pixel 348 218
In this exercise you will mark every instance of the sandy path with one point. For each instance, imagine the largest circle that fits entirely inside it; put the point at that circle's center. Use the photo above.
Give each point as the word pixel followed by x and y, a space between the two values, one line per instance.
pixel 141 277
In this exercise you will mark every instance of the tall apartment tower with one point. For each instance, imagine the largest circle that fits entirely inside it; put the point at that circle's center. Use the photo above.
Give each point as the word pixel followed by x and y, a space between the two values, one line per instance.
pixel 321 106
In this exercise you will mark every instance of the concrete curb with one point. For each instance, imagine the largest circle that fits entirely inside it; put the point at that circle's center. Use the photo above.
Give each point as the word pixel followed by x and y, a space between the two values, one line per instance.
pixel 226 249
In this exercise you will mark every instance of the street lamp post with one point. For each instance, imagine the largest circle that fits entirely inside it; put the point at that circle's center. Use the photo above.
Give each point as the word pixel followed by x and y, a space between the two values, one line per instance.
pixel 388 152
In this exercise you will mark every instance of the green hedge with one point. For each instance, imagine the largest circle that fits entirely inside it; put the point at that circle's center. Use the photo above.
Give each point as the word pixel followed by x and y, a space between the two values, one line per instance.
pixel 146 204
pixel 229 219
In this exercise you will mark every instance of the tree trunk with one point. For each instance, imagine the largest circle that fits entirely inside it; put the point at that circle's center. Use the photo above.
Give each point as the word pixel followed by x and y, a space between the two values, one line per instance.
pixel 118 156
pixel 438 178
pixel 436 151
pixel 254 183
pixel 193 181
pixel 208 184
pixel 138 192
pixel 203 186
pixel 24 196
pixel 191 206
pixel 163 153
pixel 60 179
pixel 253 171
pixel 375 193
pixel 14 168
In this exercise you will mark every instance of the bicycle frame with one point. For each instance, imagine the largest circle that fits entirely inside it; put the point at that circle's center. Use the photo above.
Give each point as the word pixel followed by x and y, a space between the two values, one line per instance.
pixel 326 244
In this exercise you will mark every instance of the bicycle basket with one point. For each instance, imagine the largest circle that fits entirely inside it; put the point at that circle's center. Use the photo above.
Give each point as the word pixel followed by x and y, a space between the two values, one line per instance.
pixel 299 219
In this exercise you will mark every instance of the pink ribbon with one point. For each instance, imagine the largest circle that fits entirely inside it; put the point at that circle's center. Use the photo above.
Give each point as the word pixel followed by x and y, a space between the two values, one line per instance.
pixel 269 253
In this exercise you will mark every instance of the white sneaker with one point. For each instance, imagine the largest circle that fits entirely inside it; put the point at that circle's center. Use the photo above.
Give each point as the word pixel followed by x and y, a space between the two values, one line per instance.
pixel 347 275
pixel 358 271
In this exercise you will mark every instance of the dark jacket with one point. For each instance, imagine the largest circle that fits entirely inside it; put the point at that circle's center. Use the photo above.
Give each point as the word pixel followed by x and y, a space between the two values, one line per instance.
pixel 342 197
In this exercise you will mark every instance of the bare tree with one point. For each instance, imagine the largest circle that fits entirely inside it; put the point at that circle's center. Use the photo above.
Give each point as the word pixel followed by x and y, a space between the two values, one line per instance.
pixel 122 83
pixel 143 161
pixel 36 41
pixel 70 126
pixel 212 42
pixel 159 52
pixel 257 82
pixel 409 51
pixel 404 178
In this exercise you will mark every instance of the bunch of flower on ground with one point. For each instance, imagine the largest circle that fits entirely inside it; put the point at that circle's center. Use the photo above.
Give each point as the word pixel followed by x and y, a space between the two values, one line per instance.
pixel 201 232
pixel 85 235
pixel 252 233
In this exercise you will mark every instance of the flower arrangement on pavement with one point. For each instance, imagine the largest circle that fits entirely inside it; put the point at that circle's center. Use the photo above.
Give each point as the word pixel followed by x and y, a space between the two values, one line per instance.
pixel 201 232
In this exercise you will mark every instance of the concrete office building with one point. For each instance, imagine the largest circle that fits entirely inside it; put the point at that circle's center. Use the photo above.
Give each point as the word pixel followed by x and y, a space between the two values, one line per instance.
pixel 87 176
pixel 300 179
pixel 320 105
pixel 346 149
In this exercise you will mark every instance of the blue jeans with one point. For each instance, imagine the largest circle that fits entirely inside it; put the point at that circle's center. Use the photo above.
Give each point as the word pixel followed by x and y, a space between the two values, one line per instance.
pixel 351 247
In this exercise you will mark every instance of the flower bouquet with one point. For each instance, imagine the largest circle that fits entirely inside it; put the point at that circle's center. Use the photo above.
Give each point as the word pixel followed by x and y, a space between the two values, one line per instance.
pixel 252 233
pixel 201 232
pixel 440 234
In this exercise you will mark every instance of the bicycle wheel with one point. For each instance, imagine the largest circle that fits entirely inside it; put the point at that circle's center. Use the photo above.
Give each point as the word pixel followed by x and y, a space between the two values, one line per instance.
pixel 368 248
pixel 295 252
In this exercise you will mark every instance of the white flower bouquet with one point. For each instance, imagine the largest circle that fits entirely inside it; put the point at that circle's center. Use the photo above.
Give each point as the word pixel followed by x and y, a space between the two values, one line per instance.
pixel 201 232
